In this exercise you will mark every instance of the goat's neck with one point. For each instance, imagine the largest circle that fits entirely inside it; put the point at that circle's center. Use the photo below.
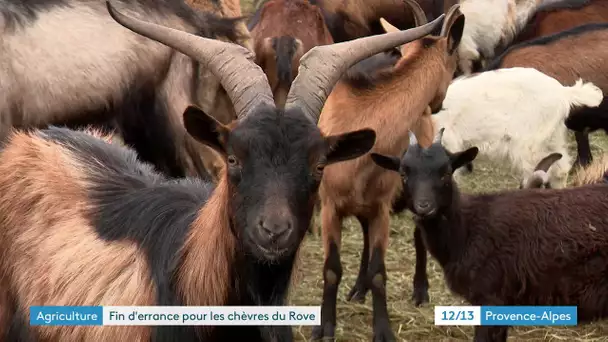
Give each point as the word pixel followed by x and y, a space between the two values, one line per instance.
pixel 413 86
pixel 446 234
pixel 266 284
pixel 206 275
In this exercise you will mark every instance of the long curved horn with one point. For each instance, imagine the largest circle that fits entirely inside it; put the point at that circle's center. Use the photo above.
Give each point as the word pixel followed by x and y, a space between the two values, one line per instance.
pixel 322 66
pixel 244 81
pixel 417 12
pixel 546 162
pixel 452 14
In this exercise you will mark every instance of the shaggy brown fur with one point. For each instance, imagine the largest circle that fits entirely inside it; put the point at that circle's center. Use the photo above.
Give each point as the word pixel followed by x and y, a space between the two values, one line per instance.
pixel 37 179
pixel 396 99
pixel 284 32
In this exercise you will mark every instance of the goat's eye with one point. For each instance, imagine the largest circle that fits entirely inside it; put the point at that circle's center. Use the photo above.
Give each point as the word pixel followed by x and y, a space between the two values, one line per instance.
pixel 232 161
pixel 320 168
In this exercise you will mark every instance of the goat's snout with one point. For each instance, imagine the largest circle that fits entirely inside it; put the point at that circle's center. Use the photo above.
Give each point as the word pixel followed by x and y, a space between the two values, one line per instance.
pixel 424 207
pixel 275 230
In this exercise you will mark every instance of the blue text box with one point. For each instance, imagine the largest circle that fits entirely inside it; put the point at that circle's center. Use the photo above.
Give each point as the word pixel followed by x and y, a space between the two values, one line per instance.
pixel 529 315
pixel 66 315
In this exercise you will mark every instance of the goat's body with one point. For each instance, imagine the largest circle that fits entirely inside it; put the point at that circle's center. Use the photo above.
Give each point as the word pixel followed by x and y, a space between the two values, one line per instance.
pixel 526 247
pixel 66 62
pixel 563 15
pixel 100 228
pixel 489 25
pixel 514 116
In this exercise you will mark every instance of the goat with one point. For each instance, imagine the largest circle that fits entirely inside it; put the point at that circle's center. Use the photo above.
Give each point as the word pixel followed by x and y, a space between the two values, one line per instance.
pixel 143 239
pixel 490 24
pixel 101 72
pixel 564 50
pixel 514 116
pixel 358 187
pixel 286 30
pixel 557 16
pixel 589 119
pixel 347 20
pixel 499 248
pixel 227 9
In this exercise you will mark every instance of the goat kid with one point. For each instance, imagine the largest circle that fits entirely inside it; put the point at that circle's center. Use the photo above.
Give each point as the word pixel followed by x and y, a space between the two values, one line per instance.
pixel 499 248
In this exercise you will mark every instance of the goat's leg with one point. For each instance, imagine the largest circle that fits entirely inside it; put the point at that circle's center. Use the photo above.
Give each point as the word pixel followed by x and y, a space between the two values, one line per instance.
pixel 331 231
pixel 491 333
pixel 378 235
pixel 420 294
pixel 359 290
pixel 583 149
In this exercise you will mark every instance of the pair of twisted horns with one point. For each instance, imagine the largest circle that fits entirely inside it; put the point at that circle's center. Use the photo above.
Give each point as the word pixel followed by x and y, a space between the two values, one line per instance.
pixel 420 17
pixel 245 82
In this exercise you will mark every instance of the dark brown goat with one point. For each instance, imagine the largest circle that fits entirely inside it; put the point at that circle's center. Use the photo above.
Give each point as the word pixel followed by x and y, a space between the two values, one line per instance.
pixel 353 19
pixel 567 56
pixel 500 248
pixel 391 99
pixel 83 222
pixel 554 17
pixel 285 31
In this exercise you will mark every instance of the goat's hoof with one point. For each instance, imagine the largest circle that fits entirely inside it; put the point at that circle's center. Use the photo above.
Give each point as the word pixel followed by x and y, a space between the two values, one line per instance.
pixel 325 332
pixel 384 334
pixel 420 296
pixel 357 294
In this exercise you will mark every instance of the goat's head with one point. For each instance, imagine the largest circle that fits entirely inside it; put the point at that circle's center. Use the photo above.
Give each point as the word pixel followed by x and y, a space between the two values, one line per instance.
pixel 540 178
pixel 275 158
pixel 278 57
pixel 443 47
pixel 427 173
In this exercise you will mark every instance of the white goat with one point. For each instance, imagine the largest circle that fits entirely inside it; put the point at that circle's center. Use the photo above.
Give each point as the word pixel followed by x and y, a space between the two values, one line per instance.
pixel 515 116
pixel 488 24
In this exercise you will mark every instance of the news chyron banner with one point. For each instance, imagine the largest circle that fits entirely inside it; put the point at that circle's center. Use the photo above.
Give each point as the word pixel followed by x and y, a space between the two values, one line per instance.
pixel 175 315
pixel 506 315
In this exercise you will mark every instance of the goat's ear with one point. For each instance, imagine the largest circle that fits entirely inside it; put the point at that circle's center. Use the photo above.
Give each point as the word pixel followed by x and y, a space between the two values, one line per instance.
pixel 455 33
pixel 206 129
pixel 349 145
pixel 459 159
pixel 388 27
pixel 386 162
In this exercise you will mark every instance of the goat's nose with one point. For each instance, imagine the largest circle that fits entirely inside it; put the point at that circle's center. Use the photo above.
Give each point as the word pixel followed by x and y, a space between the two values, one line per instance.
pixel 423 204
pixel 275 229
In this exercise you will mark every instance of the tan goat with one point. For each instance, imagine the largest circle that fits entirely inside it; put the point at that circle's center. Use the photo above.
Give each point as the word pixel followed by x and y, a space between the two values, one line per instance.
pixel 391 100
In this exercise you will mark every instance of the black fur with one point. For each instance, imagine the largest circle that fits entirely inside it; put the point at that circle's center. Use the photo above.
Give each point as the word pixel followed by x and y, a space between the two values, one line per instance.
pixel 368 73
pixel 589 118
pixel 285 49
pixel 546 40
pixel 132 202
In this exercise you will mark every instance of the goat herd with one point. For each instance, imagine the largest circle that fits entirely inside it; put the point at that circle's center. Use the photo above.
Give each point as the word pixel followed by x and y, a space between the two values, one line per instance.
pixel 157 154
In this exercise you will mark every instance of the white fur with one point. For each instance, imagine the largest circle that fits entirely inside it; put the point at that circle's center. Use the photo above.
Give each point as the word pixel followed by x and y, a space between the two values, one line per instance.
pixel 514 116
pixel 489 23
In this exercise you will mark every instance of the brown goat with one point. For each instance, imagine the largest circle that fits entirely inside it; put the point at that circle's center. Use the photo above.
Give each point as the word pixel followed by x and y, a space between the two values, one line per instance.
pixel 391 101
pixel 284 32
pixel 554 17
pixel 353 19
pixel 500 248
pixel 579 52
